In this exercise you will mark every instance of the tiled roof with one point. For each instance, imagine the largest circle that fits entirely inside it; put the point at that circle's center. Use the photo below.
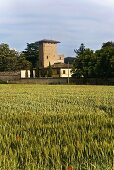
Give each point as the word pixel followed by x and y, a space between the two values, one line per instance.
pixel 48 41
pixel 61 65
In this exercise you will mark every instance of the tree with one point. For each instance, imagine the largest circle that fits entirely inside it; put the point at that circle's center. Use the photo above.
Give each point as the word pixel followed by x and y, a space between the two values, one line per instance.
pixel 108 44
pixel 80 50
pixel 11 60
pixel 22 63
pixel 99 64
pixel 32 53
pixel 84 62
pixel 105 61
pixel 7 58
pixel 49 70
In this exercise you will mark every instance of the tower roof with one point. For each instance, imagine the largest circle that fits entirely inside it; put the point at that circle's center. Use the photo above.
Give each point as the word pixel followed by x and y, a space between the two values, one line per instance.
pixel 48 41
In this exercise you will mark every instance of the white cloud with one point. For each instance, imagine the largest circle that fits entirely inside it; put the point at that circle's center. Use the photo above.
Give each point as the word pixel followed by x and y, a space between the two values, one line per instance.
pixel 108 3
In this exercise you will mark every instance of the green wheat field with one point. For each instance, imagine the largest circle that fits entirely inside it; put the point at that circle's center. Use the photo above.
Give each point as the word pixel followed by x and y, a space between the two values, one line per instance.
pixel 54 127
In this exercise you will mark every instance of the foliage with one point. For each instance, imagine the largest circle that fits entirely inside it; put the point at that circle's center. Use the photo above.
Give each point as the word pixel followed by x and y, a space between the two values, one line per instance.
pixel 32 53
pixel 11 60
pixel 22 63
pixel 49 70
pixel 84 64
pixel 104 66
pixel 98 64
pixel 56 127
pixel 108 44
pixel 80 50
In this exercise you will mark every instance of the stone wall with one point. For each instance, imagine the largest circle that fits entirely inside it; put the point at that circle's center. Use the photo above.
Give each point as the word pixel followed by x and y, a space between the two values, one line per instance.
pixel 48 54
pixel 92 81
pixel 10 76
pixel 57 80
pixel 15 77
pixel 41 81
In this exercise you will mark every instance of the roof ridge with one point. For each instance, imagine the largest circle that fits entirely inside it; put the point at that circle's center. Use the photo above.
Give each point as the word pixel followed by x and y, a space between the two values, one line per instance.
pixel 48 41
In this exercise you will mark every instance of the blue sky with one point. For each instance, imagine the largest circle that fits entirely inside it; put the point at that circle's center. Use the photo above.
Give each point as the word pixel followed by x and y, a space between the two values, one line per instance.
pixel 70 22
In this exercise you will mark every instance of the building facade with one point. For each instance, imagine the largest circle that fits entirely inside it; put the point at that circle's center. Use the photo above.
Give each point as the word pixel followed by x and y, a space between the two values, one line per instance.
pixel 61 70
pixel 48 53
pixel 51 64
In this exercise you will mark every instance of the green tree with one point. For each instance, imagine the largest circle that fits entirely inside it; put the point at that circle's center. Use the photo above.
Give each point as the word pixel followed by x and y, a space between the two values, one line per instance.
pixel 22 63
pixel 99 64
pixel 49 70
pixel 32 53
pixel 108 44
pixel 7 58
pixel 11 60
pixel 104 67
pixel 84 63
pixel 80 50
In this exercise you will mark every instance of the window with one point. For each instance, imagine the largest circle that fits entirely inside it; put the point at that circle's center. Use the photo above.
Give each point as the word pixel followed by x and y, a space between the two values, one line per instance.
pixel 47 56
pixel 63 71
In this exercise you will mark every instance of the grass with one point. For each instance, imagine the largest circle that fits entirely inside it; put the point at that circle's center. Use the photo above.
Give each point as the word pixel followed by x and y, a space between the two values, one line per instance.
pixel 53 127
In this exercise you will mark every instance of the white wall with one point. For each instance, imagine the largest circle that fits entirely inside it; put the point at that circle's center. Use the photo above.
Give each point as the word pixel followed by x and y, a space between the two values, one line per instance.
pixel 67 72
pixel 34 73
pixel 23 73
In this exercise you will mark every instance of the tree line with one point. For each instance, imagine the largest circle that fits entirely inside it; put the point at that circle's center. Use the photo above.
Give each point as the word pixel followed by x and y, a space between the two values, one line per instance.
pixel 98 64
pixel 87 63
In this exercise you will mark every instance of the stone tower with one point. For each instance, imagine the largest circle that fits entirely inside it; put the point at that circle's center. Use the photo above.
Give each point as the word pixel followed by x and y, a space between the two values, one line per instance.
pixel 48 53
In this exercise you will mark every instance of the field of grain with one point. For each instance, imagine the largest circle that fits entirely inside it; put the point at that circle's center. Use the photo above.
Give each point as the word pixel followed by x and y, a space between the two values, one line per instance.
pixel 47 127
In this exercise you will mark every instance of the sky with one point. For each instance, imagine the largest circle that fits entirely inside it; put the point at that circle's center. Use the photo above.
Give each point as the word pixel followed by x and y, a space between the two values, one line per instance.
pixel 71 22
